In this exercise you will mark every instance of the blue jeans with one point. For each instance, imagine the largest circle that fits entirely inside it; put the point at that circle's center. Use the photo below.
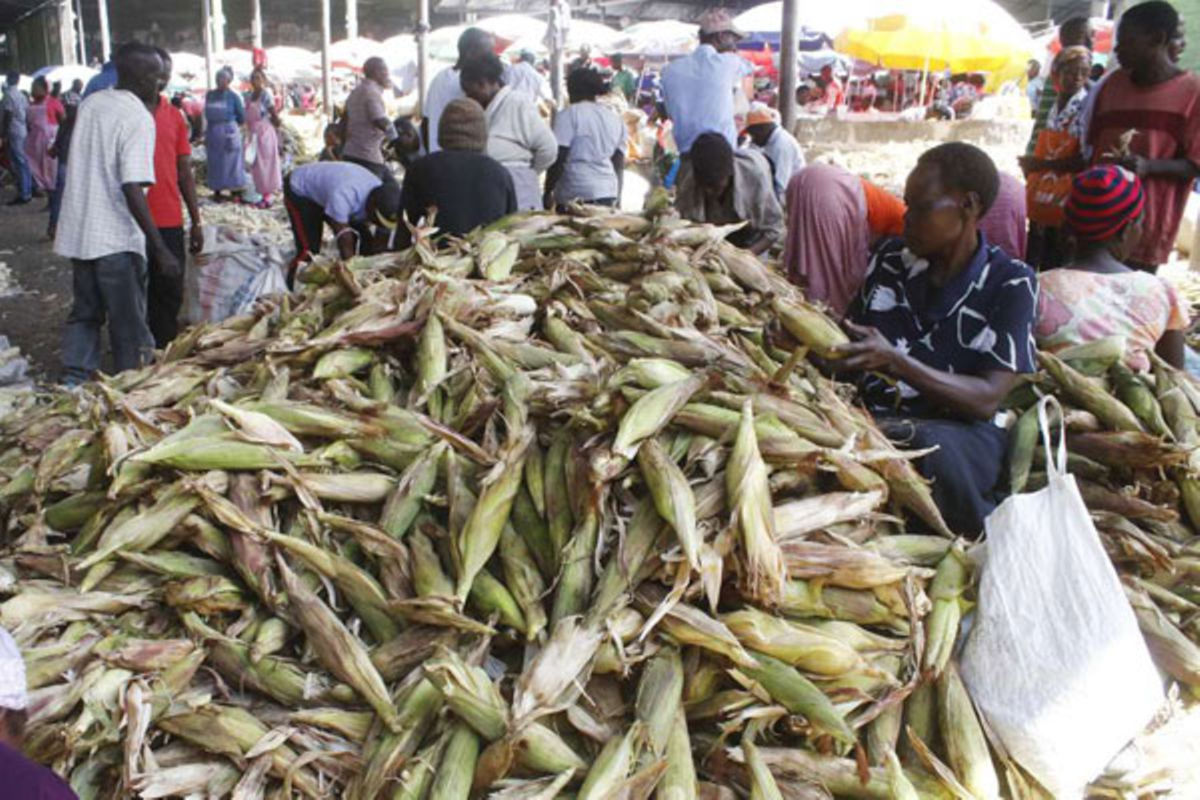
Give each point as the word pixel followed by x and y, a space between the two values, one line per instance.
pixel 60 183
pixel 20 164
pixel 112 288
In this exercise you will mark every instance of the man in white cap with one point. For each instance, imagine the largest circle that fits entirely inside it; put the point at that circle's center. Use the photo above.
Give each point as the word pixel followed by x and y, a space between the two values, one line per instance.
pixel 703 91
pixel 22 778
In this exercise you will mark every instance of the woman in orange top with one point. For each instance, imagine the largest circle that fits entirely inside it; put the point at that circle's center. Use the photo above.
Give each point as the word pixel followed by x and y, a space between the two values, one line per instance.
pixel 834 218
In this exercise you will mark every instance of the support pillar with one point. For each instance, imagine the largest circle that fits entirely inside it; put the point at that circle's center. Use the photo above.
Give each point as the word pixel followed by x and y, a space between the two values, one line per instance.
pixel 105 37
pixel 256 28
pixel 789 68
pixel 326 82
pixel 209 66
pixel 66 32
pixel 351 19
pixel 422 54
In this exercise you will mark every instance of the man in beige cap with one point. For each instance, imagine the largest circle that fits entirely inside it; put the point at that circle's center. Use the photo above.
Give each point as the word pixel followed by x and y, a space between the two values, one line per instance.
pixel 22 778
pixel 699 90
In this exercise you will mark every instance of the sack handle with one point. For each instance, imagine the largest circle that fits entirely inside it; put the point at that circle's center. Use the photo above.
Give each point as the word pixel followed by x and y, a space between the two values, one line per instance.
pixel 1054 468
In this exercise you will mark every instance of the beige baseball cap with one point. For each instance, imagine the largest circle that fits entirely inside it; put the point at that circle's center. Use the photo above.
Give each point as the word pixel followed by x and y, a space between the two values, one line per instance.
pixel 719 20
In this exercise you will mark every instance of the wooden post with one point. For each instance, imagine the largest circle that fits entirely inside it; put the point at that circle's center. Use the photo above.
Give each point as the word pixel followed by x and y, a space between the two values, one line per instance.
pixel 326 82
pixel 351 19
pixel 105 36
pixel 422 54
pixel 789 67
pixel 209 72
pixel 256 29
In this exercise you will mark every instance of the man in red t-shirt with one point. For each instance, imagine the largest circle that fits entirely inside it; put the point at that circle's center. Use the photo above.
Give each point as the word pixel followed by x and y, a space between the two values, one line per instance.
pixel 1160 103
pixel 172 178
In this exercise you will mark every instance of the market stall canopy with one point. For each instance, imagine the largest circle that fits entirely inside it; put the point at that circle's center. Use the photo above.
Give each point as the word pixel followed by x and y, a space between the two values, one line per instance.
pixel 187 69
pixel 598 38
pixel 65 74
pixel 959 35
pixel 293 63
pixel 662 38
pixel 351 53
pixel 239 60
pixel 765 22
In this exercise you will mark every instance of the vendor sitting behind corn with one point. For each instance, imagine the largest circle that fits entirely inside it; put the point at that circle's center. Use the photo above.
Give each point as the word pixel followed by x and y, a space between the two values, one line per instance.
pixel 942 327
pixel 725 186
pixel 361 209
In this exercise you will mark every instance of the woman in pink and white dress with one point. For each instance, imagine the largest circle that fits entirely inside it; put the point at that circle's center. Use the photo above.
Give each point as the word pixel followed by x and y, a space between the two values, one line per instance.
pixel 42 118
pixel 261 122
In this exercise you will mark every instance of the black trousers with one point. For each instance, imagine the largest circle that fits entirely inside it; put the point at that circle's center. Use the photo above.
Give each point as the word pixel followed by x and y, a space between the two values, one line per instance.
pixel 164 293
pixel 307 218
pixel 964 470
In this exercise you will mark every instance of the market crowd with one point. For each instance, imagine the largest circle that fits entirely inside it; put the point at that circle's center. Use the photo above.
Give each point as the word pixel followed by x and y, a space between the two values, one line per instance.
pixel 946 292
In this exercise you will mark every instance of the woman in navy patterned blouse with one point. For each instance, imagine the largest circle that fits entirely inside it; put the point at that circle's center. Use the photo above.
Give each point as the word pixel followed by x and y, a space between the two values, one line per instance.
pixel 942 327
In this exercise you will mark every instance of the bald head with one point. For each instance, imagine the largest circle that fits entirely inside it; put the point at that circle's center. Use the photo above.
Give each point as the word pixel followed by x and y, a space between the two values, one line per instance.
pixel 472 43
pixel 375 68
pixel 139 70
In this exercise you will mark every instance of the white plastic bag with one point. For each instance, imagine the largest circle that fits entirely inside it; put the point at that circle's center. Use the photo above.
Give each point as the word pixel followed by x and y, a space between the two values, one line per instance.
pixel 1055 661
pixel 231 272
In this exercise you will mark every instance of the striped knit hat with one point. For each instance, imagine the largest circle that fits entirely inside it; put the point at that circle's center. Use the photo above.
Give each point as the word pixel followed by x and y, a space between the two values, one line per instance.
pixel 1103 201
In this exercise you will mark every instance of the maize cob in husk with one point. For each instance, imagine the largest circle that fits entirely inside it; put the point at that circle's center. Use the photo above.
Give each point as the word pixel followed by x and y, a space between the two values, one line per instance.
pixel 503 506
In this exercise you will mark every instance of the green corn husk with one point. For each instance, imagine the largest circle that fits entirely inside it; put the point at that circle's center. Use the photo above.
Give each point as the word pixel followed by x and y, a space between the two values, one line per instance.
pixel 799 695
pixel 762 782
pixel 941 629
pixel 491 597
pixel 481 534
pixel 611 767
pixel 658 698
pixel 651 413
pixel 810 327
pixel 966 747
pixel 522 577
pixel 453 778
pixel 1134 393
pixel 750 494
pixel 1079 390
pixel 672 496
pixel 679 780
pixel 338 649
pixel 559 517
pixel 793 644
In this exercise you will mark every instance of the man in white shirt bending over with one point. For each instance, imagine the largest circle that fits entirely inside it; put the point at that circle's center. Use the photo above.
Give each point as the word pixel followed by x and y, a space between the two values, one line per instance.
pixel 105 226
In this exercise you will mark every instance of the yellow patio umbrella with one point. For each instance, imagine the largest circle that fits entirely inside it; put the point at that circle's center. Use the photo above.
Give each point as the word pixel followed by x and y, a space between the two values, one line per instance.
pixel 959 35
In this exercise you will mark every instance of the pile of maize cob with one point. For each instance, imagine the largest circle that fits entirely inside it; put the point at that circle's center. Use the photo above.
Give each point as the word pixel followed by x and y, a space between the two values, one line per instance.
pixel 562 510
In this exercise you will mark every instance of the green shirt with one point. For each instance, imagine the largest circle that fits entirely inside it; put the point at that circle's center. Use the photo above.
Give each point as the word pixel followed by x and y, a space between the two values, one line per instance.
pixel 1046 101
pixel 626 82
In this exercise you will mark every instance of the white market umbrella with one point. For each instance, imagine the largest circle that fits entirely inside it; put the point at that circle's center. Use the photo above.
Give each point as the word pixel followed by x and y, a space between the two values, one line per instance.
pixel 830 18
pixel 666 37
pixel 442 43
pixel 351 53
pixel 511 27
pixel 239 60
pixel 293 63
pixel 66 74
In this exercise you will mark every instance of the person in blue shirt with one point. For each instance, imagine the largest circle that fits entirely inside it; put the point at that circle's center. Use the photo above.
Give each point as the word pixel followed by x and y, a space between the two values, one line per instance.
pixel 699 89
pixel 942 328
pixel 106 78
pixel 224 115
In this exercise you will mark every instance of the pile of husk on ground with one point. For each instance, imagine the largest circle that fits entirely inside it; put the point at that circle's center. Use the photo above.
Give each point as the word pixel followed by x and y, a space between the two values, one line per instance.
pixel 563 510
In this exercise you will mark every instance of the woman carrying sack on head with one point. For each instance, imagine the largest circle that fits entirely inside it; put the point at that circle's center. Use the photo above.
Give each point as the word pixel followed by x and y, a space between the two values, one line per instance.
pixel 1056 158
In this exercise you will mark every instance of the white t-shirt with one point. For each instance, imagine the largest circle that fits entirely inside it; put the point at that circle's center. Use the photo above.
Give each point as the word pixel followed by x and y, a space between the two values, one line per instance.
pixel 593 132
pixel 112 145
pixel 339 187
pixel 444 89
